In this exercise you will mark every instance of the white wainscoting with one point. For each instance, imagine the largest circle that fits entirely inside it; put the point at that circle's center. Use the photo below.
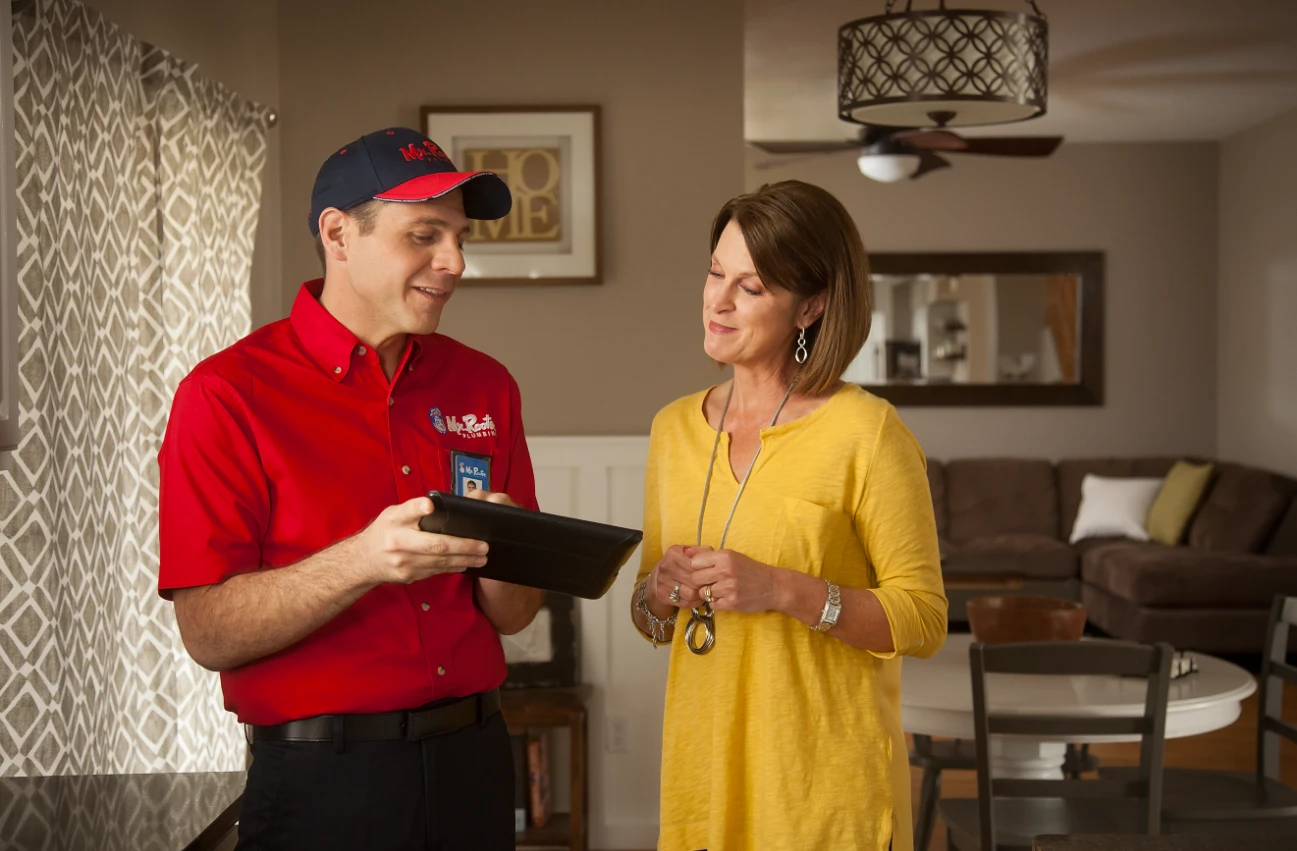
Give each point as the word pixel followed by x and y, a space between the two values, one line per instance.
pixel 602 479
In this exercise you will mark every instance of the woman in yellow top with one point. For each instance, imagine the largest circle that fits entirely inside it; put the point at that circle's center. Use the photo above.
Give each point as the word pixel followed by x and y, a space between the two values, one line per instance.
pixel 789 555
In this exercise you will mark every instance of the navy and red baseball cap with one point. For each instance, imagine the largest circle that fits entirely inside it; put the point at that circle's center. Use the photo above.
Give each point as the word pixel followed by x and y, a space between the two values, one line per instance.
pixel 400 164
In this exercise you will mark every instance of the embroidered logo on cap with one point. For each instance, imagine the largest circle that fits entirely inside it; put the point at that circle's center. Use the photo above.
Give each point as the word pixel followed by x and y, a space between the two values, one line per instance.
pixel 430 150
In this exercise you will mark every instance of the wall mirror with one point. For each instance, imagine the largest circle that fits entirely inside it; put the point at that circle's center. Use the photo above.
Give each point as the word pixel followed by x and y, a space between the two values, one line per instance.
pixel 985 329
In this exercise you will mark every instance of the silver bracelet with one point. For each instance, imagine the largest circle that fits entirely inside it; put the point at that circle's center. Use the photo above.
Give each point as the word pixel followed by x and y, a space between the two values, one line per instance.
pixel 657 628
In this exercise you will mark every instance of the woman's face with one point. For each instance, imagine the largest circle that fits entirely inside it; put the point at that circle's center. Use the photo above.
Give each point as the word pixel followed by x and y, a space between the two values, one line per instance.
pixel 745 322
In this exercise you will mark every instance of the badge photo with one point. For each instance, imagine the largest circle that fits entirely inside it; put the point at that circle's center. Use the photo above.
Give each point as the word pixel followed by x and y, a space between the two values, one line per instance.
pixel 469 472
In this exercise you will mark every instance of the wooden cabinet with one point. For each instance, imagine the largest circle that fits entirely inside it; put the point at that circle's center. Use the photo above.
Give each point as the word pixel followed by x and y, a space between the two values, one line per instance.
pixel 526 709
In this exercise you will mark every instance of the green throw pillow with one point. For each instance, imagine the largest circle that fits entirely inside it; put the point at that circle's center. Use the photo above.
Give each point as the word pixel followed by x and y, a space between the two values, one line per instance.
pixel 1177 501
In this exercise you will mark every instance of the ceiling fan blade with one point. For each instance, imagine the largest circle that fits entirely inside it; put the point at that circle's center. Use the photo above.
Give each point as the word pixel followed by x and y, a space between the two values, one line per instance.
pixel 932 140
pixel 805 147
pixel 1014 146
pixel 790 160
pixel 929 161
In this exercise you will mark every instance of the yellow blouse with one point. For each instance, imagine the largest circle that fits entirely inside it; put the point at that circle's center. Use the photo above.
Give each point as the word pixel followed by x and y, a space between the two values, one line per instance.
pixel 783 737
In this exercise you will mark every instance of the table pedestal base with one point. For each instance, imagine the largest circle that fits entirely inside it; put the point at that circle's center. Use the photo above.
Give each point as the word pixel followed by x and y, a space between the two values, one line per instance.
pixel 1023 759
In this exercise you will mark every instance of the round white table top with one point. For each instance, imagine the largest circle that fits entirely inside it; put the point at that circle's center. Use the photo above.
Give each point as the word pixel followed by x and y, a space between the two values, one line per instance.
pixel 937 695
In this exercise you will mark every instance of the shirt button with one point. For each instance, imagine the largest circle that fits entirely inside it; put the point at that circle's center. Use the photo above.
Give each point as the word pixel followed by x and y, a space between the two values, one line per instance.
pixel 390 401
pixel 337 370
pixel 426 607
pixel 405 470
pixel 441 672
pixel 360 351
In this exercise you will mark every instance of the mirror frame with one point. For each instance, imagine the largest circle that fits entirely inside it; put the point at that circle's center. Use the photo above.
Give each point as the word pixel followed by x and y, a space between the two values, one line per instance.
pixel 1089 265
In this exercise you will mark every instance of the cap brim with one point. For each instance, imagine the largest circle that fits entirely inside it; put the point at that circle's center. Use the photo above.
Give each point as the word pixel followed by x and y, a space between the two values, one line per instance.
pixel 486 196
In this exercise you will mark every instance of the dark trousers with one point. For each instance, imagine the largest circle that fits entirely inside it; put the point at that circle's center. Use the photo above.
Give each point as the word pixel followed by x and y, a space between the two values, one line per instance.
pixel 451 793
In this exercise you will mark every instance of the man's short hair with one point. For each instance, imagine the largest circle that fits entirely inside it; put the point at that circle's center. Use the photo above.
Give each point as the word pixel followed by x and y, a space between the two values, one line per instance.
pixel 365 214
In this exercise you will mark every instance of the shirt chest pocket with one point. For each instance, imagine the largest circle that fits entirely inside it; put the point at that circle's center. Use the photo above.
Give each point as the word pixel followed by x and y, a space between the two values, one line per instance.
pixel 810 538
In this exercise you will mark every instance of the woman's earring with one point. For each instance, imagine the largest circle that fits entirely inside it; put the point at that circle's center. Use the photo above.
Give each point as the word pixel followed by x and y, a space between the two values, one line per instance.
pixel 801 353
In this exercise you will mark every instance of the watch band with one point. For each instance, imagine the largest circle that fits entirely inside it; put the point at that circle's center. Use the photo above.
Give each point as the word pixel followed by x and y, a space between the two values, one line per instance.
pixel 832 608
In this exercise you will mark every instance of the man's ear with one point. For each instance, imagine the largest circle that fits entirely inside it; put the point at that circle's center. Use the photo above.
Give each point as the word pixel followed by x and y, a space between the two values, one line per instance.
pixel 334 233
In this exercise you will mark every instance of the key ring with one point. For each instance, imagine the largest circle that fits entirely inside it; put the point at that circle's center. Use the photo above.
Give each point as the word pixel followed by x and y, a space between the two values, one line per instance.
pixel 706 617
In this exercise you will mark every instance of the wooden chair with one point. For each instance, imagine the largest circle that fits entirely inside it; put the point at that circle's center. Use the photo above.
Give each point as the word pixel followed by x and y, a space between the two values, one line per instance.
pixel 1202 800
pixel 1009 813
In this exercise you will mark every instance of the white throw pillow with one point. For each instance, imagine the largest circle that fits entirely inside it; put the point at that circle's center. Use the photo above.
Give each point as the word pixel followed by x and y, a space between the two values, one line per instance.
pixel 1115 508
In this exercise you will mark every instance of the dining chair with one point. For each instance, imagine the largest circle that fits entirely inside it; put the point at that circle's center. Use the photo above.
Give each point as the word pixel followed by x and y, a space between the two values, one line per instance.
pixel 1194 799
pixel 1009 813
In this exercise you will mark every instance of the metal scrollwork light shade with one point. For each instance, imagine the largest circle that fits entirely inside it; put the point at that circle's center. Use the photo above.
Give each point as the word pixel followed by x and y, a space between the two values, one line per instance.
pixel 945 68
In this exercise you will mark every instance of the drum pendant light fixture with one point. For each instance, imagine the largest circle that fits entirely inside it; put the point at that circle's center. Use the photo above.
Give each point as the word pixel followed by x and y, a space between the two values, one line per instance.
pixel 943 67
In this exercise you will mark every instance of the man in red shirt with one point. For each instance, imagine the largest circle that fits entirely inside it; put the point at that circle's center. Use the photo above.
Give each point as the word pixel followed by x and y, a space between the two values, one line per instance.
pixel 294 473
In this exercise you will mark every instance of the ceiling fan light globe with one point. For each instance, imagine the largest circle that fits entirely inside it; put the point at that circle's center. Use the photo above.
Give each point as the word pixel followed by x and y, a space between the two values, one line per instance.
pixel 888 168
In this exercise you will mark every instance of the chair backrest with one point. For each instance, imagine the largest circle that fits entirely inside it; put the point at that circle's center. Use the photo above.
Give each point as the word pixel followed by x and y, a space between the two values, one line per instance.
pixel 1089 657
pixel 1275 671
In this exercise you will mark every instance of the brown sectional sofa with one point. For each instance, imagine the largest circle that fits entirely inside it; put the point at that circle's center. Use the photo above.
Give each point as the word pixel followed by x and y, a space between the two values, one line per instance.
pixel 1004 525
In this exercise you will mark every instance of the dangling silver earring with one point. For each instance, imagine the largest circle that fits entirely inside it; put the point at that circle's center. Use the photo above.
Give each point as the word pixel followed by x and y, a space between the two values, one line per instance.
pixel 801 353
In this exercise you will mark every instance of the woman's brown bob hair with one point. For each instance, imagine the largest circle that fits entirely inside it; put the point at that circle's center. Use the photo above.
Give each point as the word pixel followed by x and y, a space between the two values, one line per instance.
pixel 803 240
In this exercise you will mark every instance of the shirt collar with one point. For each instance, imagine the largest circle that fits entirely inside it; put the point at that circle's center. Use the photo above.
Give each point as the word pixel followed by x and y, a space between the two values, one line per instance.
pixel 327 341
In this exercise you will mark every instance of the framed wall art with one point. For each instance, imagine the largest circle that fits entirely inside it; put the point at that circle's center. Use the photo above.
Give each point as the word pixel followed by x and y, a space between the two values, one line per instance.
pixel 549 157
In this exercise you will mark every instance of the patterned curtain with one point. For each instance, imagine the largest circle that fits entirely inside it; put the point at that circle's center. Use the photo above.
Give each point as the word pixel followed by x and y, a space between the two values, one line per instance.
pixel 139 183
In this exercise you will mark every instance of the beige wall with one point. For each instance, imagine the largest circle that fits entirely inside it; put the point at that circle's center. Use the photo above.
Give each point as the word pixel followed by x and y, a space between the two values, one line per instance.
pixel 1151 208
pixel 669 78
pixel 236 43
pixel 1257 317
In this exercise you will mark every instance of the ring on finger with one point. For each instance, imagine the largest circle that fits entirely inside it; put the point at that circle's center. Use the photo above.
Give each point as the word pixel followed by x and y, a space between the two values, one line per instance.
pixel 674 596
pixel 707 593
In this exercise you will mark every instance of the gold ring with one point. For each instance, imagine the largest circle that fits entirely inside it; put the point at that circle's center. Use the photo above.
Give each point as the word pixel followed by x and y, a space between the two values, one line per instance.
pixel 707 592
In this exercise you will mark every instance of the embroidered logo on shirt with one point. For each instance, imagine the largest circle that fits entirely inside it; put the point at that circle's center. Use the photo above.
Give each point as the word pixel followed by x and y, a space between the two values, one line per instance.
pixel 471 426
pixel 438 421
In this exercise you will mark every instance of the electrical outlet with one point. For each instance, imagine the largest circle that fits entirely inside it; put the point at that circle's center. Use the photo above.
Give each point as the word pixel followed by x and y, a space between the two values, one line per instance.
pixel 618 734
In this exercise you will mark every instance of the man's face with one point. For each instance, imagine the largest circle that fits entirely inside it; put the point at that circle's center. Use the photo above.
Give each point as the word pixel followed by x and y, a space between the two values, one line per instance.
pixel 405 270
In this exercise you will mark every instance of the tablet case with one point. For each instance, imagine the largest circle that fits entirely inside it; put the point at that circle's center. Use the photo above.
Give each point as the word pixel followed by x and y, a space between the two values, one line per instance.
pixel 561 554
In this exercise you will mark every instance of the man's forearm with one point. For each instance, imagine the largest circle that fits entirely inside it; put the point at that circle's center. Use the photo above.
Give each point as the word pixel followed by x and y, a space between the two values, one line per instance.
pixel 253 615
pixel 509 608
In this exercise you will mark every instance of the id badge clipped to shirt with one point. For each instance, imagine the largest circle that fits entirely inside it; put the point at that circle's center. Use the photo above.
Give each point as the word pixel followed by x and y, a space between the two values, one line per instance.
pixel 469 472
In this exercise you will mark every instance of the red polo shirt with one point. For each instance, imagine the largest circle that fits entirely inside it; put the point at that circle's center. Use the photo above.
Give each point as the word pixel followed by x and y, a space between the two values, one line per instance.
pixel 293 439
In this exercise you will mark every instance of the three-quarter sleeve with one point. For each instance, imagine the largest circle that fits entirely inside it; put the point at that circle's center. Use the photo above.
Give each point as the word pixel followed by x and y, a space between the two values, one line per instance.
pixel 895 522
pixel 651 543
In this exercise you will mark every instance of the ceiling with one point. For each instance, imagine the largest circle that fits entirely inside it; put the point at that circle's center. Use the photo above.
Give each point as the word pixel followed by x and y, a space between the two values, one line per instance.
pixel 1120 70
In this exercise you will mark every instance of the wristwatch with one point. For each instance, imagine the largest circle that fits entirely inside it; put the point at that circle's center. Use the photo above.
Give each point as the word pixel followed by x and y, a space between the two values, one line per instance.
pixel 832 608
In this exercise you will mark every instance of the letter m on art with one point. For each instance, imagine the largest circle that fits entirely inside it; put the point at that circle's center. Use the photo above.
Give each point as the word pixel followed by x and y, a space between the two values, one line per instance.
pixel 413 153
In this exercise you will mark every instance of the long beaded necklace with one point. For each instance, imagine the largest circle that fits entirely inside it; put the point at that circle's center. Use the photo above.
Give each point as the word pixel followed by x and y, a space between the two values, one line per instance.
pixel 705 617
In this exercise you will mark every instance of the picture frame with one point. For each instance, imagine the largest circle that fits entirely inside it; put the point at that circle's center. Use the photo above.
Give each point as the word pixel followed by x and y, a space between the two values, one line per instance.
pixel 550 158
pixel 545 654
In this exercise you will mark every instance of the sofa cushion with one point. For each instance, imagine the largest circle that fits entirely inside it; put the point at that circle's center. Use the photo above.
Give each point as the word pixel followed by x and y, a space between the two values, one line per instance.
pixel 1240 510
pixel 1151 574
pixel 1284 540
pixel 1072 472
pixel 1204 630
pixel 1023 554
pixel 1181 494
pixel 937 487
pixel 1114 506
pixel 989 496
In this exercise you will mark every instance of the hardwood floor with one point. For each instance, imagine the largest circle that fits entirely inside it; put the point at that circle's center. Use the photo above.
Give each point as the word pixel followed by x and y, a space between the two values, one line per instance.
pixel 1230 749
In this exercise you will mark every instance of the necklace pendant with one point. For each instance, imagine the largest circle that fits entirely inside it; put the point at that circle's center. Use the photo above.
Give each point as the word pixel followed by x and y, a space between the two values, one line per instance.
pixel 707 619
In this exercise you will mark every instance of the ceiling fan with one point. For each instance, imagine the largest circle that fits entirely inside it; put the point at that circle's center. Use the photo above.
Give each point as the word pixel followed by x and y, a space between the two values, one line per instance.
pixel 889 154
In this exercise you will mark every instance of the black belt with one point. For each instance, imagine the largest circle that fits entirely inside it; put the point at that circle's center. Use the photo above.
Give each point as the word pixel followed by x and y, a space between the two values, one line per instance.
pixel 410 724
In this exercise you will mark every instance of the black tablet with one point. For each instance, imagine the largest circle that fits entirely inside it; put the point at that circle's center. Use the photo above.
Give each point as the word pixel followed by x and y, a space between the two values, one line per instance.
pixel 562 554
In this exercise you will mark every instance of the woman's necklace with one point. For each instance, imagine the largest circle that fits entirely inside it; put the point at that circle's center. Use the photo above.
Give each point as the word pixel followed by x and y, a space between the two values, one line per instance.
pixel 705 616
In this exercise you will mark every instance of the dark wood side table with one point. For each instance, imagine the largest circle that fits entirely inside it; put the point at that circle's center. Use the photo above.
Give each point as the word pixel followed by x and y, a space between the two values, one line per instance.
pixel 555 707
